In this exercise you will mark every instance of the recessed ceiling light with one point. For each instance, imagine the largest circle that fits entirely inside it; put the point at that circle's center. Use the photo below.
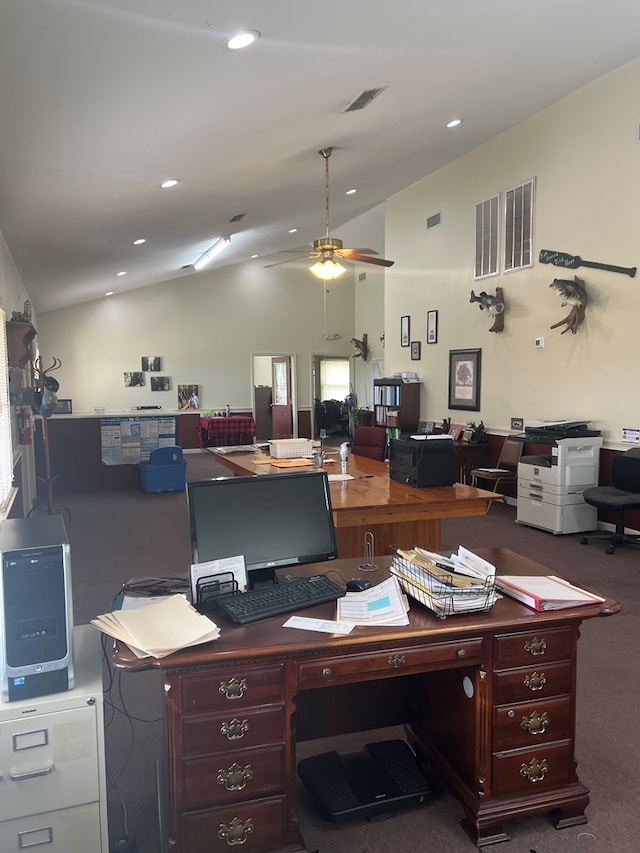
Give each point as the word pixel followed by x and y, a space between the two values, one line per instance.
pixel 171 182
pixel 454 122
pixel 109 292
pixel 292 230
pixel 139 241
pixel 243 39
pixel 122 272
pixel 351 192
pixel 255 256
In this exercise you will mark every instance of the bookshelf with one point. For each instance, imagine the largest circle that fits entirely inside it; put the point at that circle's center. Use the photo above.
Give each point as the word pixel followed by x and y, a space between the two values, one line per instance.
pixel 399 399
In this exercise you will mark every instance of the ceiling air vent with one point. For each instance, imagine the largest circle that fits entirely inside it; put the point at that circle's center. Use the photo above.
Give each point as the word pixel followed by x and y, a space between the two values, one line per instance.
pixel 434 220
pixel 237 217
pixel 363 99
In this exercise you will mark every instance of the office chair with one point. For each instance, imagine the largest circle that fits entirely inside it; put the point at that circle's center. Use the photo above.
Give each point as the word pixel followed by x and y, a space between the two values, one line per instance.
pixel 506 469
pixel 623 494
pixel 370 441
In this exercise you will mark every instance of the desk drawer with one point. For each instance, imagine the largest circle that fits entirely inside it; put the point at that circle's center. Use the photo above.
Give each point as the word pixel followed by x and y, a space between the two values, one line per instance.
pixel 364 667
pixel 529 723
pixel 249 827
pixel 530 771
pixel 532 648
pixel 225 688
pixel 221 732
pixel 534 682
pixel 233 776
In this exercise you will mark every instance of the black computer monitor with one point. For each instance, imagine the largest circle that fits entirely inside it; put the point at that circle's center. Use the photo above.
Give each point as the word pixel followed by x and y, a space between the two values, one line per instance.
pixel 274 520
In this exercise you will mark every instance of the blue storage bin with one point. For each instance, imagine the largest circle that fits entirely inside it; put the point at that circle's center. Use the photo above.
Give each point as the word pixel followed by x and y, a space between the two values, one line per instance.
pixel 164 472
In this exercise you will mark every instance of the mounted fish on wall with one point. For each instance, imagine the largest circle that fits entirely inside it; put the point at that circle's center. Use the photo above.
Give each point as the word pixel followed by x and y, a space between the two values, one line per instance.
pixel 494 305
pixel 573 293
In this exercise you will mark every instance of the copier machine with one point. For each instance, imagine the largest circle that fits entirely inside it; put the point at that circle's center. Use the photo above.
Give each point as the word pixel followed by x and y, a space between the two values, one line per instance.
pixel 550 486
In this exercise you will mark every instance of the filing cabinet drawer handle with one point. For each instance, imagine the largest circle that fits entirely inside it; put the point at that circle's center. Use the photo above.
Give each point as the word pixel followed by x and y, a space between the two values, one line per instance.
pixel 235 729
pixel 236 832
pixel 396 661
pixel 535 724
pixel 535 682
pixel 31 774
pixel 35 837
pixel 235 777
pixel 235 688
pixel 535 770
pixel 535 647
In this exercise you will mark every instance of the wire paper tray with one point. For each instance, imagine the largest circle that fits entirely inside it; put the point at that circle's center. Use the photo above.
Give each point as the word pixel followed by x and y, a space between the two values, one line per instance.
pixel 438 592
pixel 290 448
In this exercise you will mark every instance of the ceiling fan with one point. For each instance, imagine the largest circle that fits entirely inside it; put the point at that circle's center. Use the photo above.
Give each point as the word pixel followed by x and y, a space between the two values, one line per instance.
pixel 328 248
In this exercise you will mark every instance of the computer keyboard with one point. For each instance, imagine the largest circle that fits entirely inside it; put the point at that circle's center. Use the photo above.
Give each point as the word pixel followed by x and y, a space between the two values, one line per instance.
pixel 280 598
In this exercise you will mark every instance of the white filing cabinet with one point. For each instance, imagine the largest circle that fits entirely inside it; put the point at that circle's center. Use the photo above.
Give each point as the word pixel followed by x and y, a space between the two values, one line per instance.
pixel 550 496
pixel 52 767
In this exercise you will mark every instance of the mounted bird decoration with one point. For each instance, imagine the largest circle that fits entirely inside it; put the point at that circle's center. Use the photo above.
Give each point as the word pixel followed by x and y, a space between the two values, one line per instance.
pixel 361 348
pixel 494 305
pixel 573 293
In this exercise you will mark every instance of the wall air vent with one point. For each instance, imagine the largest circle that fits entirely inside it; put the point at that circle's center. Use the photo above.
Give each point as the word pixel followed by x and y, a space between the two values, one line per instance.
pixel 363 99
pixel 434 220
pixel 237 217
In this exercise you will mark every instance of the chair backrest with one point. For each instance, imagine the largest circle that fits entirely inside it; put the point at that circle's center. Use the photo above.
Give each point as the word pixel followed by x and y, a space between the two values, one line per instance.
pixel 370 441
pixel 510 454
pixel 625 471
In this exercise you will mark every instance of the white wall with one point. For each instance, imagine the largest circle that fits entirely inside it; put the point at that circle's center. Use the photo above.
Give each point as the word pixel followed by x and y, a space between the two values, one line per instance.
pixel 204 326
pixel 586 160
pixel 13 292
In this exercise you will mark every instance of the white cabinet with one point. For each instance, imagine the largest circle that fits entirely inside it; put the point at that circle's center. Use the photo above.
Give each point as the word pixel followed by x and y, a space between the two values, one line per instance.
pixel 550 487
pixel 52 765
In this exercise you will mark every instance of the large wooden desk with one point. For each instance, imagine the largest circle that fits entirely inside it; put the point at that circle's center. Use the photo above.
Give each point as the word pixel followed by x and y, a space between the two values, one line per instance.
pixel 488 698
pixel 396 514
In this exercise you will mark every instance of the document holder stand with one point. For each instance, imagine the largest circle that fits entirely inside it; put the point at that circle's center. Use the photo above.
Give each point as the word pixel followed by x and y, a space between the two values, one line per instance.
pixel 210 587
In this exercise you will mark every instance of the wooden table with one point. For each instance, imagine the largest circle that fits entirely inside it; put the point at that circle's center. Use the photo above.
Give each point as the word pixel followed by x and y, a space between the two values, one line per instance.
pixel 236 429
pixel 396 514
pixel 488 698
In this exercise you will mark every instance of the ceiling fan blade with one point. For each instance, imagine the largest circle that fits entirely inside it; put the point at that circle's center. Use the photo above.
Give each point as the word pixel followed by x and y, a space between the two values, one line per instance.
pixel 362 251
pixel 351 255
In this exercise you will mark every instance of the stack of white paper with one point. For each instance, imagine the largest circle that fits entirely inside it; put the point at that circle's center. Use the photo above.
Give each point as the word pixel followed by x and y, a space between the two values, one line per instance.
pixel 159 629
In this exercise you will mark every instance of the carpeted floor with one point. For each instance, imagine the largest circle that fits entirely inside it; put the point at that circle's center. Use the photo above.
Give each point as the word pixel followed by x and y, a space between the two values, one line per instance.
pixel 117 536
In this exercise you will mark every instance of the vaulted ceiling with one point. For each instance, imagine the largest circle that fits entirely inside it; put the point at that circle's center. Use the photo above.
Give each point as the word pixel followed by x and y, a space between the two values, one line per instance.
pixel 102 100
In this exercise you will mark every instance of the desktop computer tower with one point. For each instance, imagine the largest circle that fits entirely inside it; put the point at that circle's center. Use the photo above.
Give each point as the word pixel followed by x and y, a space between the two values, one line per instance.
pixel 36 620
pixel 423 462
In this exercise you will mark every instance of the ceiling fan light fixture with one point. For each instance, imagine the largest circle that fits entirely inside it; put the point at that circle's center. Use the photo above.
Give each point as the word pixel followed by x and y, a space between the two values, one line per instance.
pixel 213 250
pixel 327 269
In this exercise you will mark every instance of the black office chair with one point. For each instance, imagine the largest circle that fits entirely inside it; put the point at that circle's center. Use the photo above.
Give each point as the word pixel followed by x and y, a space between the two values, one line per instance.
pixel 623 494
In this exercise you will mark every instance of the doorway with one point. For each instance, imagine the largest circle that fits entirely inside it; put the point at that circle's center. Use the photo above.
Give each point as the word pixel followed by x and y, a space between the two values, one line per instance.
pixel 332 380
pixel 273 379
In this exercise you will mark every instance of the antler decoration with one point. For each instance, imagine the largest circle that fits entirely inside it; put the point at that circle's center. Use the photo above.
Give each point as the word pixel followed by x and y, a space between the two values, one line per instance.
pixel 40 373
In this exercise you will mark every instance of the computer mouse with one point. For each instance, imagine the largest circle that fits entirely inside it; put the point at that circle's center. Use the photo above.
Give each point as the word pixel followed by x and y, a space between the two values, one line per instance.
pixel 358 585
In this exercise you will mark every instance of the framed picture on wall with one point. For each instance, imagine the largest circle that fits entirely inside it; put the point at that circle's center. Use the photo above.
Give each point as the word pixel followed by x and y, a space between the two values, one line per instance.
pixel 464 379
pixel 432 327
pixel 415 350
pixel 404 331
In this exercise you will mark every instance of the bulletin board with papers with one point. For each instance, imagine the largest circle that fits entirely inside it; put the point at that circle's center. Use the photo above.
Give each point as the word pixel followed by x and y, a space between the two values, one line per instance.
pixel 128 441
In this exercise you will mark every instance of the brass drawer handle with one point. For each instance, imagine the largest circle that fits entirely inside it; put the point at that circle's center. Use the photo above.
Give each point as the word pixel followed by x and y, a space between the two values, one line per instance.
pixel 535 647
pixel 535 770
pixel 235 778
pixel 235 729
pixel 326 672
pixel 233 689
pixel 396 661
pixel 535 724
pixel 535 682
pixel 236 832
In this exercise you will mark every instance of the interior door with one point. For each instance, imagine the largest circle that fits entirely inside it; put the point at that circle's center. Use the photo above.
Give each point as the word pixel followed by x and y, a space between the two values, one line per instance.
pixel 281 408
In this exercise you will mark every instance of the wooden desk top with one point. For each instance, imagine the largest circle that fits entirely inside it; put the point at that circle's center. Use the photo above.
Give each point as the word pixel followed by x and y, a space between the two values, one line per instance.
pixel 267 637
pixel 373 491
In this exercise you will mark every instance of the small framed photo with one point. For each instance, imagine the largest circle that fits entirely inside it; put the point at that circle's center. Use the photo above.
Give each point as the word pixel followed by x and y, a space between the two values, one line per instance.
pixel 151 362
pixel 432 327
pixel 160 383
pixel 464 379
pixel 133 378
pixel 426 427
pixel 63 407
pixel 405 327
pixel 415 350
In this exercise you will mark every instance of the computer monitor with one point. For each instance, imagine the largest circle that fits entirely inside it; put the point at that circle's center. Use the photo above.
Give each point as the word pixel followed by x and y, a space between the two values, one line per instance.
pixel 274 520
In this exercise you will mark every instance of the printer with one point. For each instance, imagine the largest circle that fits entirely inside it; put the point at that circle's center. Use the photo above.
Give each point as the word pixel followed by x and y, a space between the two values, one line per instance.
pixel 552 430
pixel 425 460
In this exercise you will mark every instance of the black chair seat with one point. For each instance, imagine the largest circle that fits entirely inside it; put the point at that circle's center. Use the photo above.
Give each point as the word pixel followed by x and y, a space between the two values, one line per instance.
pixel 609 497
pixel 623 495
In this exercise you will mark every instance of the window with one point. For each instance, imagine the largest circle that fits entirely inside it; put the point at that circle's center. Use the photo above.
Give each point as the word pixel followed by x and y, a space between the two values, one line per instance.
pixel 334 378
pixel 518 226
pixel 486 238
pixel 6 451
